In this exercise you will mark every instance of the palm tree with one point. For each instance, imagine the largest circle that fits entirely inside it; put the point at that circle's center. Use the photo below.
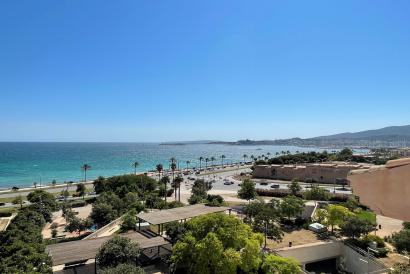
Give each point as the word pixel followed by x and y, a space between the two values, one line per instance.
pixel 200 162
pixel 206 163
pixel 135 164
pixel 177 184
pixel 222 159
pixel 187 164
pixel 159 169
pixel 85 168
pixel 173 168
pixel 165 181
pixel 212 160
pixel 244 157
pixel 268 154
pixel 277 153
pixel 253 158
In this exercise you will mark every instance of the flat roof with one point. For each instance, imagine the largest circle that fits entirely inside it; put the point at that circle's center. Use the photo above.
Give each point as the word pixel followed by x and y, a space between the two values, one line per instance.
pixel 179 213
pixel 69 252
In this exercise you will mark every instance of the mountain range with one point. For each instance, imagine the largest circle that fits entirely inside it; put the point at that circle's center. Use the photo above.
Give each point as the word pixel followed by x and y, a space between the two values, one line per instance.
pixel 393 136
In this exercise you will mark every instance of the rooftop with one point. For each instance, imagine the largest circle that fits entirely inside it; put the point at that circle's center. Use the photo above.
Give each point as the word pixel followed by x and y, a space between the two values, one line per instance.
pixel 75 251
pixel 179 213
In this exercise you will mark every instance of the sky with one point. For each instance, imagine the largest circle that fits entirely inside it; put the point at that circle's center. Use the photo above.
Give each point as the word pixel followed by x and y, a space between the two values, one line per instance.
pixel 148 71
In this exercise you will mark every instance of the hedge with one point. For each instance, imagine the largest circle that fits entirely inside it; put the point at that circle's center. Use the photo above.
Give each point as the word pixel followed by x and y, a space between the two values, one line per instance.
pixel 279 193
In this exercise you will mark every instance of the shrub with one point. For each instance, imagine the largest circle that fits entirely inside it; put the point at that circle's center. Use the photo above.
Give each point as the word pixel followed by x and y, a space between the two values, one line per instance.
pixel 279 193
pixel 77 203
pixel 406 225
pixel 401 240
pixel 5 214
pixel 374 238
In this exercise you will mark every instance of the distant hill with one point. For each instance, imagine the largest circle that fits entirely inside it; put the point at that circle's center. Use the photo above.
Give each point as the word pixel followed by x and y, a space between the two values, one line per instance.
pixel 386 131
pixel 394 136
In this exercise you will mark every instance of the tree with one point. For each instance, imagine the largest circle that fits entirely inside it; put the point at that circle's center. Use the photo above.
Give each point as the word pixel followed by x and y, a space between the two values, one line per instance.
pixel 247 190
pixel 222 159
pixel 212 160
pixel 291 206
pixel 336 215
pixel 264 217
pixel 173 168
pixel 354 227
pixel 251 258
pixel 85 168
pixel 317 193
pixel 129 221
pixel 280 265
pixel 321 216
pixel 165 181
pixel 175 231
pixel 216 243
pixel 43 198
pixel 244 158
pixel 295 187
pixel 135 165
pixel 75 224
pixel 177 185
pixel 206 163
pixel 401 240
pixel 102 214
pixel 116 251
pixel 199 191
pixel 21 245
pixel 81 189
pixel 200 162
pixel 53 182
pixel 123 269
pixel 18 200
pixel 187 164
pixel 159 170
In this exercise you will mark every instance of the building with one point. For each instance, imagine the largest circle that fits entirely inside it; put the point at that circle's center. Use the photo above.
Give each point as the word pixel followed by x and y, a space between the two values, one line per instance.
pixel 384 189
pixel 327 173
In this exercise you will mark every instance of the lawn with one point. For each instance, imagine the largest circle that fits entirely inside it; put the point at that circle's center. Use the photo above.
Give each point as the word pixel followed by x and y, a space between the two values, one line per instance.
pixel 366 215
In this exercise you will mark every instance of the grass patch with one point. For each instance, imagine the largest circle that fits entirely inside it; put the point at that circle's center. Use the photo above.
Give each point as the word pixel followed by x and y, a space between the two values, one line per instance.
pixel 366 215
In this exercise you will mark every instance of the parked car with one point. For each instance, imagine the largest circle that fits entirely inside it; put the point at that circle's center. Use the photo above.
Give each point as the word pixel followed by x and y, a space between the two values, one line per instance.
pixel 275 186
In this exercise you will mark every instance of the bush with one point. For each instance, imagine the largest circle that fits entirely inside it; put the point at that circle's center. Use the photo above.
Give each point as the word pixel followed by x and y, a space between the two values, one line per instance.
pixel 77 203
pixel 5 214
pixel 277 192
pixel 175 204
pixel 401 240
pixel 280 193
pixel 374 238
pixel 406 225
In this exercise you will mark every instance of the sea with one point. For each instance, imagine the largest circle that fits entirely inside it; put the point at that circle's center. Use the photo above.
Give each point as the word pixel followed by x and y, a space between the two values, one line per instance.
pixel 23 164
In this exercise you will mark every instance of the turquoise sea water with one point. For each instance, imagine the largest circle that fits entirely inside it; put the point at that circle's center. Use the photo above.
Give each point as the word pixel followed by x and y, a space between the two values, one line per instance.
pixel 22 164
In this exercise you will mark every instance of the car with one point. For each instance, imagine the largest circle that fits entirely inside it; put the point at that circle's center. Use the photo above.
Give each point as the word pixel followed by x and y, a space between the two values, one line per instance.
pixel 275 186
pixel 228 183
pixel 263 183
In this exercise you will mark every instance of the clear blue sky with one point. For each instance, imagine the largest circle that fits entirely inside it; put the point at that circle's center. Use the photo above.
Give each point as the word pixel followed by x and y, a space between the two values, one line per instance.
pixel 191 70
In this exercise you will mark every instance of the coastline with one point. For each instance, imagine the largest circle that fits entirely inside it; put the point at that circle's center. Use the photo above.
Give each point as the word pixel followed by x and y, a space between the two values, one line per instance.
pixel 150 173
